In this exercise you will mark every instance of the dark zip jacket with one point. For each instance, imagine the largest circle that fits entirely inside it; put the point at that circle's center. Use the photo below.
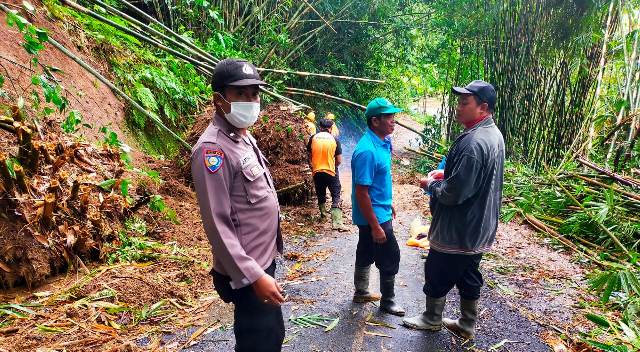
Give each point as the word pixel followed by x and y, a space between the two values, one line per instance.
pixel 466 205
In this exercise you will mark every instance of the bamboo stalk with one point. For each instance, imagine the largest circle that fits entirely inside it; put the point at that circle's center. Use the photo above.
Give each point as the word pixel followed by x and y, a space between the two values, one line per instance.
pixel 137 35
pixel 319 15
pixel 75 189
pixel 47 212
pixel 44 150
pixel 325 75
pixel 613 237
pixel 624 180
pixel 291 90
pixel 611 187
pixel 290 188
pixel 134 21
pixel 6 173
pixel 21 178
pixel 7 127
pixel 161 25
pixel 84 199
pixel 118 92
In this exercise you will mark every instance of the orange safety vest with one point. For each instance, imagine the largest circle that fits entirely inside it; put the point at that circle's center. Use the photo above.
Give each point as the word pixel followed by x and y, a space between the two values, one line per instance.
pixel 323 153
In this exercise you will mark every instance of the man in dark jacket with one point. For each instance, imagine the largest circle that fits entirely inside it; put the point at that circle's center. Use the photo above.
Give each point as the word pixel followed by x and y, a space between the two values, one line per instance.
pixel 465 205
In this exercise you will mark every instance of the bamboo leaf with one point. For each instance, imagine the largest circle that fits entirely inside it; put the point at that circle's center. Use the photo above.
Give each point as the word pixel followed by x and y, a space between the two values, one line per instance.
pixel 598 320
pixel 49 329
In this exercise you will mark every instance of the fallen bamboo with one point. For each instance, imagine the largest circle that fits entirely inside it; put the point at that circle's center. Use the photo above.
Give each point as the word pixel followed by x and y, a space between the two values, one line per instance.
pixel 118 92
pixel 136 35
pixel 622 179
pixel 290 188
pixel 165 28
pixel 291 90
pixel 7 127
pixel 325 75
pixel 545 228
pixel 533 221
pixel 437 155
pixel 613 237
pixel 145 26
pixel 611 187
pixel 418 152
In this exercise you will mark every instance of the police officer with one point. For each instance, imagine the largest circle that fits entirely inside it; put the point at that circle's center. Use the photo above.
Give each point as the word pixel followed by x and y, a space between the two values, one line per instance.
pixel 239 209
pixel 373 210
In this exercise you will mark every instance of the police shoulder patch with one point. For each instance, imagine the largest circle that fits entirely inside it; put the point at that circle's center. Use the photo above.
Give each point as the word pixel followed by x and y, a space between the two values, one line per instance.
pixel 213 160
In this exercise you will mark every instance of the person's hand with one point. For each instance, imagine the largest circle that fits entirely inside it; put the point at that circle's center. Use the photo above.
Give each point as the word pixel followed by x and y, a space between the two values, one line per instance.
pixel 268 290
pixel 432 176
pixel 436 175
pixel 378 235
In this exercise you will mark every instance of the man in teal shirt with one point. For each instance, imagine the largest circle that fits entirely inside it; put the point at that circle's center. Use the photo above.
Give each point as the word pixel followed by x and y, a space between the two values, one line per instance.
pixel 373 210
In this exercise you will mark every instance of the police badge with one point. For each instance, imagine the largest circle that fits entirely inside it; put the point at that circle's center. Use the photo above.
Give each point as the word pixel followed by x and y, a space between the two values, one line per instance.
pixel 213 160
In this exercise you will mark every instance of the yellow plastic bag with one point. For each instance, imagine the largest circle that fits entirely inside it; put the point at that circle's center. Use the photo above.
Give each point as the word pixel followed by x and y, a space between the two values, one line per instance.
pixel 418 234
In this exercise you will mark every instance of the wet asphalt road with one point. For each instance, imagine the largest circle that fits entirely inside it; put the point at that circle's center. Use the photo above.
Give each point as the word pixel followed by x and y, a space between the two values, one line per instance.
pixel 332 297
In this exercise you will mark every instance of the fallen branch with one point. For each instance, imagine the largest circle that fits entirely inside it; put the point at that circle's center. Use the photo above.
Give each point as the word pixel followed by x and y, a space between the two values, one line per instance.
pixel 611 187
pixel 290 188
pixel 622 179
pixel 325 75
pixel 613 237
pixel 291 90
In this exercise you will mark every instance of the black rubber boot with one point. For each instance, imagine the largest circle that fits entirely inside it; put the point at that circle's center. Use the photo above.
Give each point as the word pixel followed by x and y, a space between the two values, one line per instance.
pixel 361 281
pixel 387 303
pixel 431 319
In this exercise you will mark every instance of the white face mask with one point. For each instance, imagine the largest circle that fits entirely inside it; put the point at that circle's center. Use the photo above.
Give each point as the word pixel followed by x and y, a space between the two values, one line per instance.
pixel 243 114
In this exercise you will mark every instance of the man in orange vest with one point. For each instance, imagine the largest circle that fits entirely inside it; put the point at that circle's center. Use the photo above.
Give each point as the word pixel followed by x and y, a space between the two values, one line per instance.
pixel 325 155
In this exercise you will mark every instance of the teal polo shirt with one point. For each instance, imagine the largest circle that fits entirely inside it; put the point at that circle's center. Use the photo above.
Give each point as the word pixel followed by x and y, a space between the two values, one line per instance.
pixel 371 166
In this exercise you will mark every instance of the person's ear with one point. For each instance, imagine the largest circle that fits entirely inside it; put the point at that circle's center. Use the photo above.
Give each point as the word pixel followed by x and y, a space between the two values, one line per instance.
pixel 221 103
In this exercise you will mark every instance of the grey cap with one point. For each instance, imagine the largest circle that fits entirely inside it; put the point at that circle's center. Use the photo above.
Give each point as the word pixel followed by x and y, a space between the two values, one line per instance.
pixel 481 89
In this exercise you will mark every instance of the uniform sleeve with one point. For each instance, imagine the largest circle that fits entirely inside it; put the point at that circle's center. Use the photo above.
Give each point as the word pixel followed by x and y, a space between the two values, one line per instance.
pixel 363 168
pixel 461 184
pixel 212 190
pixel 338 148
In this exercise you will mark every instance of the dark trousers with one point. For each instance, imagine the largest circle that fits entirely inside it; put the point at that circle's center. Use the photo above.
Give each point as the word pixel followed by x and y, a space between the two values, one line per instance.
pixel 442 271
pixel 386 256
pixel 258 326
pixel 322 181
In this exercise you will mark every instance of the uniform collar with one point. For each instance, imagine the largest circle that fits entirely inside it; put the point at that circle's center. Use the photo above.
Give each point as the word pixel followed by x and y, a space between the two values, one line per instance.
pixel 376 140
pixel 227 128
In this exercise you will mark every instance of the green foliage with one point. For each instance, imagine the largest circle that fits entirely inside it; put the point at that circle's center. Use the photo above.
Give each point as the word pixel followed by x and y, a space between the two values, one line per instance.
pixel 158 205
pixel 133 248
pixel 71 123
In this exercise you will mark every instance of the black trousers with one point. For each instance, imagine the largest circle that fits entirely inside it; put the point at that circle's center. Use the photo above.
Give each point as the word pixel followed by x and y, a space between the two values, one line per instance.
pixel 322 181
pixel 386 256
pixel 442 271
pixel 258 326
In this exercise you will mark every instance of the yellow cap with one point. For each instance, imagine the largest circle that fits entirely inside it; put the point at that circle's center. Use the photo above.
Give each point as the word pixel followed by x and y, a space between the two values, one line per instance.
pixel 311 117
pixel 331 116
